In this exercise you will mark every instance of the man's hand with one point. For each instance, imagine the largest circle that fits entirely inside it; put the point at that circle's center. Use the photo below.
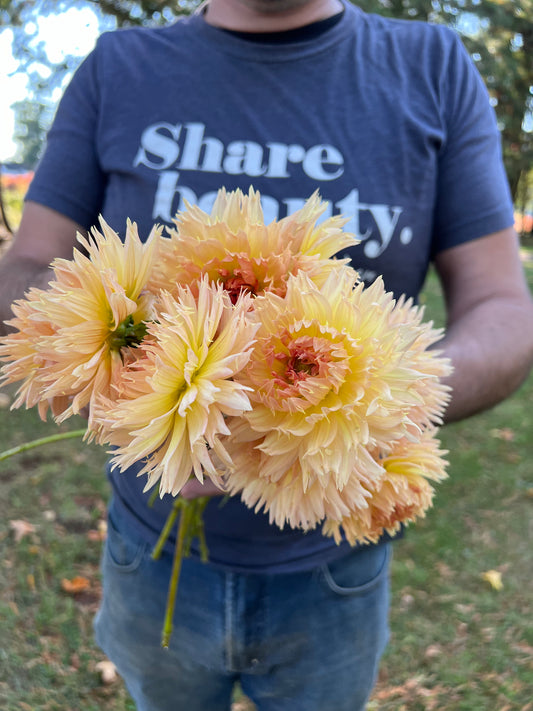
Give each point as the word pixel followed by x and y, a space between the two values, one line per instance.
pixel 193 489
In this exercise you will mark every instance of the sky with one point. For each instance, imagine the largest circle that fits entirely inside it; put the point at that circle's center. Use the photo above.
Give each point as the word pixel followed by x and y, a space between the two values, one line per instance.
pixel 72 32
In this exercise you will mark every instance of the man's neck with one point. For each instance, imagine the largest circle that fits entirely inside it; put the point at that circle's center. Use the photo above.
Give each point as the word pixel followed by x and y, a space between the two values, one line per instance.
pixel 268 15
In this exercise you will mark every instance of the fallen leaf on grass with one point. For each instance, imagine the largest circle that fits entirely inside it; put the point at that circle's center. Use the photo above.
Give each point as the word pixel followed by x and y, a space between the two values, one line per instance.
pixel 99 534
pixel 465 609
pixel 406 601
pixel 77 585
pixel 21 529
pixel 494 578
pixel 74 661
pixel 107 671
pixel 413 690
pixel 504 433
pixel 444 570
pixel 434 650
pixel 524 649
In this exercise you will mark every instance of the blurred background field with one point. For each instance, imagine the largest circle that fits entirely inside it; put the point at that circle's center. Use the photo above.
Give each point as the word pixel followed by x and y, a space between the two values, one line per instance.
pixel 461 614
pixel 13 187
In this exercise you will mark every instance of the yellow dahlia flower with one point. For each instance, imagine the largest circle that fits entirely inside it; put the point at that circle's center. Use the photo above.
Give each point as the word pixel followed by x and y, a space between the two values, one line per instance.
pixel 19 349
pixel 73 339
pixel 233 246
pixel 332 370
pixel 430 394
pixel 286 491
pixel 175 398
pixel 403 494
pixel 335 374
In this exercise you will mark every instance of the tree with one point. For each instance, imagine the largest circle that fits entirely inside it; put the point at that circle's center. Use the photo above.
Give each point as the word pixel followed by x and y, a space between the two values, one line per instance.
pixel 503 48
pixel 33 116
pixel 15 13
pixel 497 33
pixel 499 36
pixel 33 119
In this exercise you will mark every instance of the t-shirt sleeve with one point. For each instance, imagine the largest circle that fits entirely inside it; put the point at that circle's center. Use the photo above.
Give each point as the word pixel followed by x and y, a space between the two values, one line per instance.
pixel 473 196
pixel 69 177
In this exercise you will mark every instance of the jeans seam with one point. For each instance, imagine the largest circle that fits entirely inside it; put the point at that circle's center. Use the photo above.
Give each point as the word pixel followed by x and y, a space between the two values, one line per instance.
pixel 228 620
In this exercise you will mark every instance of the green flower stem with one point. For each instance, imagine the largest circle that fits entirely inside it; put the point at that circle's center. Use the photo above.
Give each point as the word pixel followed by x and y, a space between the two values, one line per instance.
pixel 153 496
pixel 186 516
pixel 190 526
pixel 171 518
pixel 42 440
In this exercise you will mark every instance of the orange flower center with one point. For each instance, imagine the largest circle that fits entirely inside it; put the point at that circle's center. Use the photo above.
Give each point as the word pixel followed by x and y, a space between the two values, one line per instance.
pixel 236 285
pixel 235 279
pixel 307 367
pixel 302 363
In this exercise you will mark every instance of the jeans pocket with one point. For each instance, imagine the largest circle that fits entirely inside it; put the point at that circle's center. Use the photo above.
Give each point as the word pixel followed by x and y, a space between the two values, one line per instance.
pixel 359 572
pixel 122 552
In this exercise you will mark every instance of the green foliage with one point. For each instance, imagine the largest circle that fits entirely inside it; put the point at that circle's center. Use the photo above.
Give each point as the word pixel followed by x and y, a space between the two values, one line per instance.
pixel 525 192
pixel 502 45
pixel 499 36
pixel 33 119
pixel 13 188
pixel 13 206
pixel 140 12
pixel 126 12
pixel 34 115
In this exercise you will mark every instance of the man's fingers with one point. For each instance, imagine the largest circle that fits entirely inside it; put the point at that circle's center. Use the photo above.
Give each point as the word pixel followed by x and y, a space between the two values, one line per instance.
pixel 195 488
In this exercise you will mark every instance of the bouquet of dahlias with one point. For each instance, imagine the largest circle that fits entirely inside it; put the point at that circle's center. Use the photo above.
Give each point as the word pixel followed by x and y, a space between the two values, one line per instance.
pixel 245 353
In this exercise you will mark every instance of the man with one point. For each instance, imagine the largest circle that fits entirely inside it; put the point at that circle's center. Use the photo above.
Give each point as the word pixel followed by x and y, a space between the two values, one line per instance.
pixel 392 124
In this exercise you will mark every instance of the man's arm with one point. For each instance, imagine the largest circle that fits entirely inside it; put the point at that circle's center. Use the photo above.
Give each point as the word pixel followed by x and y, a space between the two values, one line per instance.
pixel 489 333
pixel 43 235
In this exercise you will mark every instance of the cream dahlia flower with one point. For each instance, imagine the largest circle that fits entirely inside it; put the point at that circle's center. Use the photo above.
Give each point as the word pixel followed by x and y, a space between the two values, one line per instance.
pixel 403 494
pixel 233 246
pixel 290 496
pixel 174 400
pixel 430 394
pixel 73 339
pixel 335 375
pixel 19 350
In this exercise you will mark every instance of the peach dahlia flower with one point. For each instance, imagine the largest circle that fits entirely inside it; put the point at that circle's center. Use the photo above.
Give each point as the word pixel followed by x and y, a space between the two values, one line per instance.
pixel 286 491
pixel 174 400
pixel 73 339
pixel 233 246
pixel 335 376
pixel 403 494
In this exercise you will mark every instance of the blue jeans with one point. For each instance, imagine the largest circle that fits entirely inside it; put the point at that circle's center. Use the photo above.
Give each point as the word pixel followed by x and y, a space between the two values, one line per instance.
pixel 306 641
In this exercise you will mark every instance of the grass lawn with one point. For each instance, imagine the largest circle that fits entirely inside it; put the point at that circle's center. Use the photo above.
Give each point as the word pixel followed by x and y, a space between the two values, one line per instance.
pixel 458 643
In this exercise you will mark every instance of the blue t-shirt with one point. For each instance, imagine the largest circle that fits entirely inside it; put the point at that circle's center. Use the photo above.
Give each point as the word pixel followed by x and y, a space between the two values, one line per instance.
pixel 389 119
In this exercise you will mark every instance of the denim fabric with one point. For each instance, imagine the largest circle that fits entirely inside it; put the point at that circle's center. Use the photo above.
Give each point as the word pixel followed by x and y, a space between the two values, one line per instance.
pixel 301 642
